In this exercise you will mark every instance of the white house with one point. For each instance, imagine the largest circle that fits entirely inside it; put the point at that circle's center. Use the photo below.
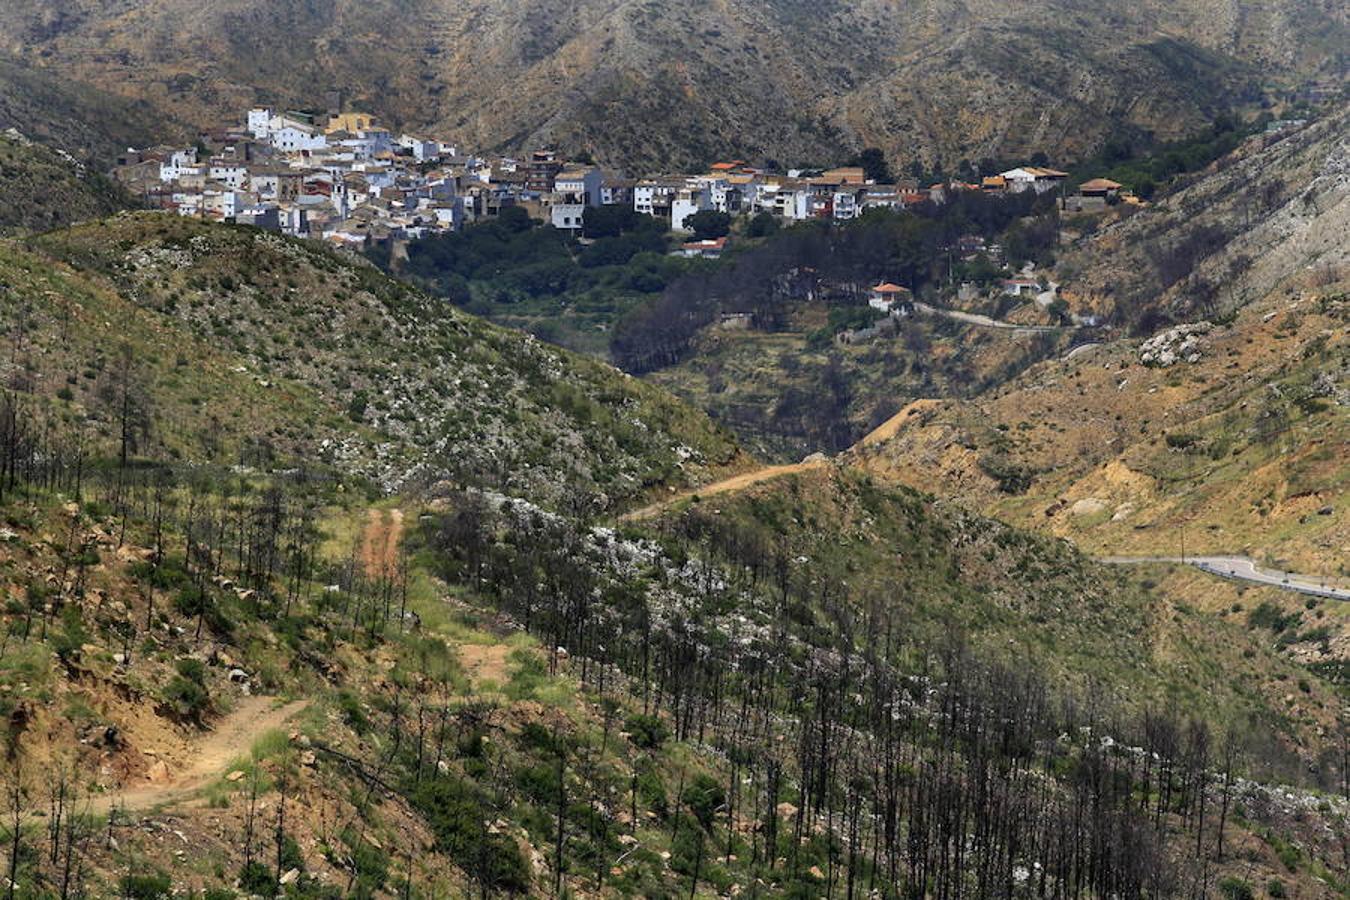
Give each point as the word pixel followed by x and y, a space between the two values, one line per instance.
pixel 378 139
pixel 654 197
pixel 582 183
pixel 717 188
pixel 260 122
pixel 616 191
pixel 295 221
pixel 188 203
pixel 707 249
pixel 890 298
pixel 169 172
pixel 295 137
pixel 845 205
pixel 228 172
pixel 1018 287
pixel 421 150
pixel 218 203
pixel 689 200
pixel 573 191
pixel 1033 178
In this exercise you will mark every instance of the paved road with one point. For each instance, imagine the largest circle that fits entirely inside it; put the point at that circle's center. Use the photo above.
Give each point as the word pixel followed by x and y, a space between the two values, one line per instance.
pixel 985 321
pixel 1241 568
pixel 1082 348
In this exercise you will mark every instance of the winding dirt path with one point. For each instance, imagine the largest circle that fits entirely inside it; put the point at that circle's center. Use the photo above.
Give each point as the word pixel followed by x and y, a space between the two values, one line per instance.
pixel 232 737
pixel 727 485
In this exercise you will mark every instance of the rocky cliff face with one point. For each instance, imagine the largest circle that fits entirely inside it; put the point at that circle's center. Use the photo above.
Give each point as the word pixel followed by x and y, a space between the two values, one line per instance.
pixel 657 84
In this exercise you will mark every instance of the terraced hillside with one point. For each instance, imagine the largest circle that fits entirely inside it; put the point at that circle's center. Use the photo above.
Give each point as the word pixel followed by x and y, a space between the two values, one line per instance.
pixel 1276 209
pixel 1228 418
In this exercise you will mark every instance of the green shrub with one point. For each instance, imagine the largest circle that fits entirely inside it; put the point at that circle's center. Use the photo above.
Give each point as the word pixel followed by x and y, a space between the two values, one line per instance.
pixel 67 642
pixel 370 863
pixel 704 796
pixel 187 691
pixel 256 878
pixel 191 601
pixel 1234 888
pixel 1268 615
pixel 1011 477
pixel 647 732
pixel 455 812
pixel 150 886
pixel 352 713
pixel 651 791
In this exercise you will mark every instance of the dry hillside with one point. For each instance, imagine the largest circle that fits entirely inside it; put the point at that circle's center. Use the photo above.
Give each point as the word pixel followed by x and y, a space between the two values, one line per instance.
pixel 653 84
pixel 1279 206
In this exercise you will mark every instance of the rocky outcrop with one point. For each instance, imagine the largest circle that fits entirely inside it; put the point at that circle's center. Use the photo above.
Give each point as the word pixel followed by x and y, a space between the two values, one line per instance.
pixel 1179 344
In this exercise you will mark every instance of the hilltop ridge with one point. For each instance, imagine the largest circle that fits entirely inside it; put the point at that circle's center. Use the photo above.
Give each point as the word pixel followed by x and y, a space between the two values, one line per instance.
pixel 639 84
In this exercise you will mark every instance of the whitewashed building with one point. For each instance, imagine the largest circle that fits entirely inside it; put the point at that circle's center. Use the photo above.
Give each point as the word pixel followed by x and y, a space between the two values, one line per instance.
pixel 573 191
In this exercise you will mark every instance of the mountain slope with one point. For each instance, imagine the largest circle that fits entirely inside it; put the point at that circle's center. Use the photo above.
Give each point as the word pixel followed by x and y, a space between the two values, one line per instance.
pixel 700 701
pixel 655 84
pixel 85 121
pixel 1275 209
pixel 1238 425
pixel 41 188
pixel 327 359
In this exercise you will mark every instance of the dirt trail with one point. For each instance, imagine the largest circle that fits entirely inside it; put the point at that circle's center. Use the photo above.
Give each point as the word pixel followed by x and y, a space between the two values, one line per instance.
pixel 891 427
pixel 232 737
pixel 485 662
pixel 728 485
pixel 380 542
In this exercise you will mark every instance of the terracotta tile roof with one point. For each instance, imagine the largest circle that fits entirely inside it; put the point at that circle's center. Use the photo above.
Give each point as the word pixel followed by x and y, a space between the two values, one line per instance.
pixel 1100 184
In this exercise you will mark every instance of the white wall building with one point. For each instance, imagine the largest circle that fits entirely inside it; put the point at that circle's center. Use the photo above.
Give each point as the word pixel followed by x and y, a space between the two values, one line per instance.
pixel 574 190
pixel 1033 178
pixel 295 137
pixel 688 201
pixel 233 175
pixel 653 197
pixel 845 204
pixel 260 122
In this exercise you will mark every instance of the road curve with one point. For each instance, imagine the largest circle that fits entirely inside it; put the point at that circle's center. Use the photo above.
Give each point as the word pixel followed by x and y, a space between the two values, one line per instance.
pixel 232 737
pixel 1242 568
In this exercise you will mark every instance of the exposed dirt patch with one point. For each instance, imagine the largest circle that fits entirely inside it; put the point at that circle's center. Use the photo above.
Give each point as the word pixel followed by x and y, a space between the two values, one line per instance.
pixel 484 662
pixel 380 542
pixel 204 758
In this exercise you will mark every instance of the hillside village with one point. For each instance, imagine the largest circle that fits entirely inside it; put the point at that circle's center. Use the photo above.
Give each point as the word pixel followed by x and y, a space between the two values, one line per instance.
pixel 343 178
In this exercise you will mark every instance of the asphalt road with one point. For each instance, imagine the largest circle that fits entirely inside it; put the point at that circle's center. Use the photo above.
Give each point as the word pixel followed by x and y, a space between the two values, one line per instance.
pixel 985 321
pixel 1241 568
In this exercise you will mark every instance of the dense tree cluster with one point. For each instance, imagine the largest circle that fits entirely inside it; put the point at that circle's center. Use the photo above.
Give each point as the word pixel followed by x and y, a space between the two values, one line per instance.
pixel 820 261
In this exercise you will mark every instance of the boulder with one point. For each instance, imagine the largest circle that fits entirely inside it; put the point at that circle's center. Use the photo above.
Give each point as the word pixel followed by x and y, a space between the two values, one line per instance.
pixel 1088 506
